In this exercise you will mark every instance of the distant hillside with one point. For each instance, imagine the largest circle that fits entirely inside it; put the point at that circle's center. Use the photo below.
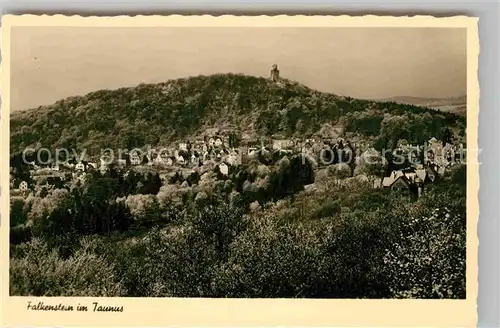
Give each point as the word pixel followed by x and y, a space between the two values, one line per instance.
pixel 456 105
pixel 158 114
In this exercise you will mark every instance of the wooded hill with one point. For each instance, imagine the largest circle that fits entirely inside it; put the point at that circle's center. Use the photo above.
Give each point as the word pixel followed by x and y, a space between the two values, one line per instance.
pixel 158 114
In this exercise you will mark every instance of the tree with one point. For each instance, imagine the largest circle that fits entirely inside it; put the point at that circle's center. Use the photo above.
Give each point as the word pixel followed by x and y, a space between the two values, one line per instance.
pixel 371 163
pixel 339 171
pixel 220 223
pixel 234 140
pixel 143 208
pixel 17 213
pixel 303 173
pixel 152 184
pixel 447 136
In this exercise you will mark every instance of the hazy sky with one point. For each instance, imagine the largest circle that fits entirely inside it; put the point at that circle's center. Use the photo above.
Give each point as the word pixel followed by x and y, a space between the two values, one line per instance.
pixel 51 63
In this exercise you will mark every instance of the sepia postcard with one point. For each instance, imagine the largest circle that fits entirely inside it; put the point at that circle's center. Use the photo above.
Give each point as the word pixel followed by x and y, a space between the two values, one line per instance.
pixel 239 171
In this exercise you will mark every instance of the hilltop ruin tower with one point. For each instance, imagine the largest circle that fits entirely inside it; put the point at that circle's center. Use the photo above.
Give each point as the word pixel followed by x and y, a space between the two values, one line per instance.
pixel 275 73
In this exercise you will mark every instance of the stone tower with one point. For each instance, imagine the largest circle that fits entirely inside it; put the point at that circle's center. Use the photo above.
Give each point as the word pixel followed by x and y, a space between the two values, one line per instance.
pixel 275 73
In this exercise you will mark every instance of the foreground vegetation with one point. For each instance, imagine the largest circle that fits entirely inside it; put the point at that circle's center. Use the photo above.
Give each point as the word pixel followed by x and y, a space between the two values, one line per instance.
pixel 218 238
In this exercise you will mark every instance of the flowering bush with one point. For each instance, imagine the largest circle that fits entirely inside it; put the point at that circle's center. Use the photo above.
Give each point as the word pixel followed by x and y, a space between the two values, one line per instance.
pixel 41 272
pixel 428 260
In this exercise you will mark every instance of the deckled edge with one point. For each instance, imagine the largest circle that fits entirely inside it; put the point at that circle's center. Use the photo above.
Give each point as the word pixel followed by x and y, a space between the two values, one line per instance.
pixel 73 19
pixel 9 19
pixel 477 101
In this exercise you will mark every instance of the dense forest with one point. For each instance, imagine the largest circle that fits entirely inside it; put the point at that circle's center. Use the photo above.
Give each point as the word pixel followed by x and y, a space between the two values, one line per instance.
pixel 159 114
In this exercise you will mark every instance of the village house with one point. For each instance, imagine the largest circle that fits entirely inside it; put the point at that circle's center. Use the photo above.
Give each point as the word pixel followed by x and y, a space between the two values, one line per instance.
pixel 135 159
pixel 55 167
pixel 400 184
pixel 183 146
pixel 80 167
pixel 283 144
pixel 23 187
pixel 158 160
pixel 411 181
pixel 224 169
pixel 433 142
pixel 388 181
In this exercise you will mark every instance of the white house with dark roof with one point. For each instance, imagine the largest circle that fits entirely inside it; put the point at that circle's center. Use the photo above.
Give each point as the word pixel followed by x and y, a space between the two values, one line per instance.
pixel 389 181
pixel 135 159
pixel 23 186
pixel 224 168
pixel 401 184
pixel 80 167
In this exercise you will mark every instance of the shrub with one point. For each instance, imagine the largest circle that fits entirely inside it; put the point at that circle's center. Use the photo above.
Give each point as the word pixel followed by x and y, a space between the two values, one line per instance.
pixel 41 272
pixel 428 260
pixel 270 260
pixel 175 262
